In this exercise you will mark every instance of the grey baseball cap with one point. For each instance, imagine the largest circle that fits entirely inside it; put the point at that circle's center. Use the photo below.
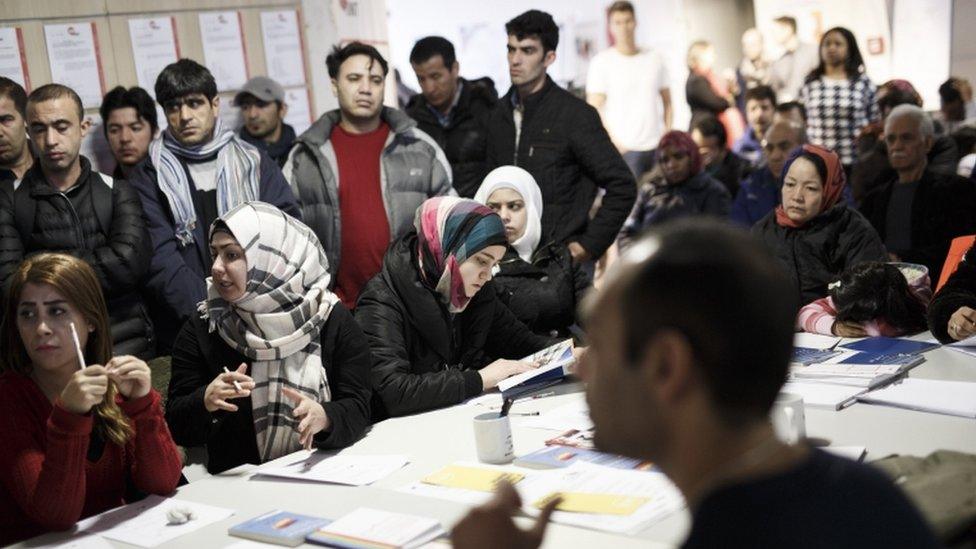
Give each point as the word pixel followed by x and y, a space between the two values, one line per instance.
pixel 263 88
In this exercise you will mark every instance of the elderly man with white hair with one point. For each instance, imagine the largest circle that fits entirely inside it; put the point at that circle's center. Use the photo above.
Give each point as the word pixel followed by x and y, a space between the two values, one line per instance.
pixel 918 213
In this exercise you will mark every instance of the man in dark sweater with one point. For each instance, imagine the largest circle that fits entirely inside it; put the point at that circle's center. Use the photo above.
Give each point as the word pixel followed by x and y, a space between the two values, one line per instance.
pixel 15 153
pixel 560 140
pixel 263 108
pixel 689 345
pixel 721 163
pixel 918 213
pixel 452 110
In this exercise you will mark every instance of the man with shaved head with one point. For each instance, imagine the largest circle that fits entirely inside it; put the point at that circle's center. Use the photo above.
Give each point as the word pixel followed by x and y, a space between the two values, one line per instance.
pixel 759 193
pixel 918 213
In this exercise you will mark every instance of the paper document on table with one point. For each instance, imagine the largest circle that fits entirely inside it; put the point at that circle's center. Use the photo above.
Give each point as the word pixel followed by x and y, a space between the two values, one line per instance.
pixel 823 395
pixel 574 415
pixel 470 478
pixel 815 341
pixel 954 398
pixel 145 523
pixel 602 498
pixel 349 469
pixel 442 486
pixel 373 528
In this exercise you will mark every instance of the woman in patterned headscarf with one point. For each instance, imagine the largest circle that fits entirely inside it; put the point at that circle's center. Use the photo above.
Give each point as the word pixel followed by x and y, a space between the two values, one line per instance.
pixel 303 374
pixel 436 338
pixel 813 231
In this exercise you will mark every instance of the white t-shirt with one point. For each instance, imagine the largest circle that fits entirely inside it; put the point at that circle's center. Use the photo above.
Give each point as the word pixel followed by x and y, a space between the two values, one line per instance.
pixel 633 112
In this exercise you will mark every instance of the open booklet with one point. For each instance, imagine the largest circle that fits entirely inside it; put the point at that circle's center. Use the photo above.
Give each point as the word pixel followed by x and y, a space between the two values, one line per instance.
pixel 553 361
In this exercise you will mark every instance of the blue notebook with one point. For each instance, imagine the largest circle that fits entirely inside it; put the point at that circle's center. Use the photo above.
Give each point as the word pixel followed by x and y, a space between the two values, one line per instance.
pixel 867 358
pixel 279 527
pixel 806 355
pixel 890 346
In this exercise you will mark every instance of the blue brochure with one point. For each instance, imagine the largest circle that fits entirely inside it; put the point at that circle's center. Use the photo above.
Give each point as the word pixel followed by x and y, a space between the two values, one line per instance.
pixel 279 527
pixel 890 346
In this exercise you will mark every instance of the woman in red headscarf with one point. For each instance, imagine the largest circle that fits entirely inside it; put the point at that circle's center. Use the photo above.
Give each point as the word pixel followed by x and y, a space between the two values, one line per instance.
pixel 677 188
pixel 813 232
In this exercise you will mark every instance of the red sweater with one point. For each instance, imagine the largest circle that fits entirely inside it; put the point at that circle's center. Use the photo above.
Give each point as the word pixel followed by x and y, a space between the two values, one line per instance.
pixel 47 481
pixel 365 228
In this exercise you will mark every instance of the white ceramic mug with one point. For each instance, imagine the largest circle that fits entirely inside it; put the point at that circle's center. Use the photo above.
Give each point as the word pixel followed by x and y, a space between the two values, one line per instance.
pixel 787 417
pixel 493 438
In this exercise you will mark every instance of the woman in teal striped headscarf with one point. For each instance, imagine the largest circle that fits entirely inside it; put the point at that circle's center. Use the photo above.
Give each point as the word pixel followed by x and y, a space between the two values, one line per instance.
pixel 436 338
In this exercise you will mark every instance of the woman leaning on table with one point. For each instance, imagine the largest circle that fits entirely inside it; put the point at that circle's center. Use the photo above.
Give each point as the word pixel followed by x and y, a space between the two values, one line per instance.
pixel 436 338
pixel 76 441
pixel 952 312
pixel 297 365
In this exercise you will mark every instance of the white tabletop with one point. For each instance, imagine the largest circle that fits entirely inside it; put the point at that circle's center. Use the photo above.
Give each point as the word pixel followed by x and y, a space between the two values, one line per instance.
pixel 435 439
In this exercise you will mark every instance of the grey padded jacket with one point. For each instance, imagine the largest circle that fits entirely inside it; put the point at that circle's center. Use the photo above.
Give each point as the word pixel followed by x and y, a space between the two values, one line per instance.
pixel 412 169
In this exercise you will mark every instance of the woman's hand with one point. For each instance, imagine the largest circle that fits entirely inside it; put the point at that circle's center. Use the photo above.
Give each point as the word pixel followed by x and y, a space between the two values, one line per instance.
pixel 962 323
pixel 85 389
pixel 848 329
pixel 501 369
pixel 222 389
pixel 313 417
pixel 131 375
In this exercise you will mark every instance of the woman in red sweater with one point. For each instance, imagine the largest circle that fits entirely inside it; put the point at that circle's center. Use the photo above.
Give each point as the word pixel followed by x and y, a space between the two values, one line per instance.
pixel 74 439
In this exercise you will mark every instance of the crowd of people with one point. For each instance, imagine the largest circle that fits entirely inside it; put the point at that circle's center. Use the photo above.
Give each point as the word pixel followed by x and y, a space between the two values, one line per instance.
pixel 387 262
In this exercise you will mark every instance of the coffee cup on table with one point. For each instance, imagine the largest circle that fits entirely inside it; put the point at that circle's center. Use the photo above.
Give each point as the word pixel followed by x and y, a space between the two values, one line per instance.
pixel 493 438
pixel 787 417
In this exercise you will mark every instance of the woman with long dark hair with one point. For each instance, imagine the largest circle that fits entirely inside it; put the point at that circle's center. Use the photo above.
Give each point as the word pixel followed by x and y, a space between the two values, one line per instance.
pixel 77 436
pixel 838 96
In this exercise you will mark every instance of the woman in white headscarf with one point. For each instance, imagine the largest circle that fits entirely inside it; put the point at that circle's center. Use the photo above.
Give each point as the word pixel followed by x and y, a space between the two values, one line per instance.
pixel 537 280
pixel 273 363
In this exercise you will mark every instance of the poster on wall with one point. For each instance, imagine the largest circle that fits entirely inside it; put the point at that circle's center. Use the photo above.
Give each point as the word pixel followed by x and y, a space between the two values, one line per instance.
pixel 283 51
pixel 72 51
pixel 223 48
pixel 299 114
pixel 361 20
pixel 154 45
pixel 13 63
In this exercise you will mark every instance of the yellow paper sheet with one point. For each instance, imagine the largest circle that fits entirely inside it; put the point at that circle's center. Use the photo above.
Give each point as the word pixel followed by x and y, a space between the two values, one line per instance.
pixel 600 504
pixel 470 478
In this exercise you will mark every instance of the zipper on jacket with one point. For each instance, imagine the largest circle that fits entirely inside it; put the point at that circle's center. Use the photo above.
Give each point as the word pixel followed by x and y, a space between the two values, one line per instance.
pixel 79 231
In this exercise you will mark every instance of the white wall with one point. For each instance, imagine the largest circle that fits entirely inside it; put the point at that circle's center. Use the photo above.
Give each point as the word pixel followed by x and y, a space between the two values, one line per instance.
pixel 963 59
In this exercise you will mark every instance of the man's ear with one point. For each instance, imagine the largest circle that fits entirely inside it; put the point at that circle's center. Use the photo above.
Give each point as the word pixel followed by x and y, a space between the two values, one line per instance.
pixel 335 87
pixel 215 102
pixel 549 58
pixel 667 365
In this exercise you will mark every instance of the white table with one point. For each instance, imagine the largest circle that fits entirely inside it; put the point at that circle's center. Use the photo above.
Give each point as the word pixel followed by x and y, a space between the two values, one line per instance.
pixel 437 438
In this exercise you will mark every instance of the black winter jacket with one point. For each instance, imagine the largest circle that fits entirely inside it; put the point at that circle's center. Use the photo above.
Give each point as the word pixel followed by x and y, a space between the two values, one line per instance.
pixel 702 100
pixel 67 222
pixel 199 357
pixel 872 169
pixel 544 294
pixel 943 208
pixel 566 149
pixel 465 139
pixel 817 253
pixel 958 291
pixel 424 357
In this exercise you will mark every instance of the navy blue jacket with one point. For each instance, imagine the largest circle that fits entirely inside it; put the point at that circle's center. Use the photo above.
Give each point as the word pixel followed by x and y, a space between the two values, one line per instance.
pixel 759 194
pixel 177 273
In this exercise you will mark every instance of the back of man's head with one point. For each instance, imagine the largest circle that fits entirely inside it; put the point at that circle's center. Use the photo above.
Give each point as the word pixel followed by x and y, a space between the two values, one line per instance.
pixel 15 93
pixel 50 92
pixel 426 48
pixel 731 300
pixel 182 78
pixel 949 91
pixel 338 56
pixel 535 24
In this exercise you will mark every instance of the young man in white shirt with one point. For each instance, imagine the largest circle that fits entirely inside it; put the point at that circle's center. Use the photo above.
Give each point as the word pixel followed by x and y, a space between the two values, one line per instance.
pixel 624 83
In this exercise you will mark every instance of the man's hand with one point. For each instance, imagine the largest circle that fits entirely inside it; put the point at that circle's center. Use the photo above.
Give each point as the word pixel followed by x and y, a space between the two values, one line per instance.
pixel 491 525
pixel 578 252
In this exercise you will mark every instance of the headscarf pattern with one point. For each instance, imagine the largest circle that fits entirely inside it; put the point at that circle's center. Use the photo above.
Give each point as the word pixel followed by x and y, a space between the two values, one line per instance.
pixel 522 182
pixel 449 231
pixel 278 321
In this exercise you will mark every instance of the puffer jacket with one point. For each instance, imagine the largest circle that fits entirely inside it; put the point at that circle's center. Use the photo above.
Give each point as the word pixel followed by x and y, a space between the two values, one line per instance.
pixel 817 253
pixel 564 146
pixel 465 138
pixel 67 222
pixel 544 294
pixel 423 356
pixel 659 201
pixel 412 169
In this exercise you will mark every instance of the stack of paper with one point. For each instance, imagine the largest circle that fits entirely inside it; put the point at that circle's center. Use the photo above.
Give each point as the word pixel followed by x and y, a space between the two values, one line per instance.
pixel 954 398
pixel 464 482
pixel 602 498
pixel 371 528
pixel 352 470
pixel 861 369
pixel 147 523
